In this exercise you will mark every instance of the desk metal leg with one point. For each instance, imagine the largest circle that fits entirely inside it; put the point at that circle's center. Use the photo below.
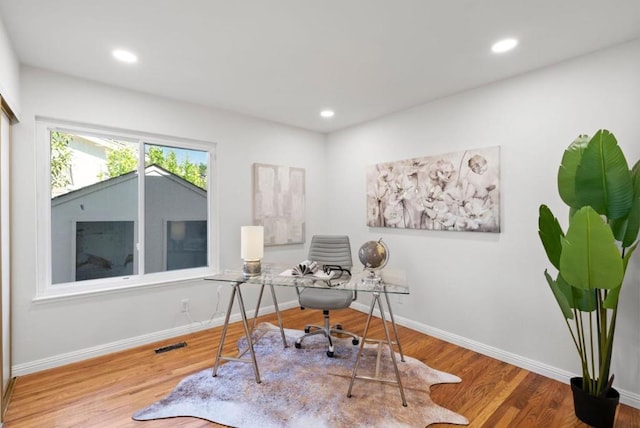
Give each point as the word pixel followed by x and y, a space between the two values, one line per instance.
pixel 391 351
pixel 225 327
pixel 362 341
pixel 247 333
pixel 354 375
pixel 237 291
pixel 255 314
pixel 395 328
pixel 275 304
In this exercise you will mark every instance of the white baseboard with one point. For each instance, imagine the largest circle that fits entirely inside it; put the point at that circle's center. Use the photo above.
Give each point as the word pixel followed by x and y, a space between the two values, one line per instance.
pixel 626 397
pixel 121 345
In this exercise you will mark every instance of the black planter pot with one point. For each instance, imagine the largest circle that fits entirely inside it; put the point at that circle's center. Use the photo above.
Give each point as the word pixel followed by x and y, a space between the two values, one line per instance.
pixel 599 412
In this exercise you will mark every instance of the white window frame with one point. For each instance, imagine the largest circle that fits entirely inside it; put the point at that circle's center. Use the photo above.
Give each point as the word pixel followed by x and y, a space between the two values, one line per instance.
pixel 45 290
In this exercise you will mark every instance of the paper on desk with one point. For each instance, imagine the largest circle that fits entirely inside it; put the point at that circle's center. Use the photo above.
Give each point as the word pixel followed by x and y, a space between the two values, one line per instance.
pixel 318 274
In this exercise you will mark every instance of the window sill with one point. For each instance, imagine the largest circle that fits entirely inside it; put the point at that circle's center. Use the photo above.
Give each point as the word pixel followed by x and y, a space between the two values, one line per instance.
pixel 75 292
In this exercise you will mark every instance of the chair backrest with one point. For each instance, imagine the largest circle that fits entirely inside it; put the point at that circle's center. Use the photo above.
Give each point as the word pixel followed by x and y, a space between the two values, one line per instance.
pixel 331 250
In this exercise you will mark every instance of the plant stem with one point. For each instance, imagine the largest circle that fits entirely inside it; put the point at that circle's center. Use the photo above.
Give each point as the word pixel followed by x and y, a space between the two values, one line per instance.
pixel 604 367
pixel 602 338
pixel 573 336
pixel 591 349
pixel 583 347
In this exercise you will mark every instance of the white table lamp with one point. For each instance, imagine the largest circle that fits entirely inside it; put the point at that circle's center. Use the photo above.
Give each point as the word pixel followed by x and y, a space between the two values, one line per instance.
pixel 251 249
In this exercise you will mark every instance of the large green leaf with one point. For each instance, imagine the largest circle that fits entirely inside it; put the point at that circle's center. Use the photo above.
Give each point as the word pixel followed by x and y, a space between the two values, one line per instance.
pixel 561 298
pixel 590 258
pixel 633 220
pixel 627 256
pixel 626 229
pixel 619 227
pixel 612 298
pixel 567 172
pixel 582 300
pixel 602 178
pixel 550 234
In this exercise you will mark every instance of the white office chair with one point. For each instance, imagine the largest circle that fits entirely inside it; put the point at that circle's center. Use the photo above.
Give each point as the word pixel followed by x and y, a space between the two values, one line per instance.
pixel 328 250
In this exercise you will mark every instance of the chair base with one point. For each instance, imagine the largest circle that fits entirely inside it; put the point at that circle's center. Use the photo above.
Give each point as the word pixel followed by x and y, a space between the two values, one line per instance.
pixel 327 330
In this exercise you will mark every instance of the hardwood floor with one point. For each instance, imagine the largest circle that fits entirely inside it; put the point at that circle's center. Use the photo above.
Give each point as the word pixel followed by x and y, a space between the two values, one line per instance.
pixel 105 391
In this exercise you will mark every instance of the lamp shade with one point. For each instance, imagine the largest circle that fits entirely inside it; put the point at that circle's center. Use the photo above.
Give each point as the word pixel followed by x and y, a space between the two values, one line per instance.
pixel 251 242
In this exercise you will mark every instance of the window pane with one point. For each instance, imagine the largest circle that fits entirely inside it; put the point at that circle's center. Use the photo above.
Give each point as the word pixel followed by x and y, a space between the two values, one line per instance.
pixel 104 249
pixel 176 208
pixel 94 184
pixel 187 244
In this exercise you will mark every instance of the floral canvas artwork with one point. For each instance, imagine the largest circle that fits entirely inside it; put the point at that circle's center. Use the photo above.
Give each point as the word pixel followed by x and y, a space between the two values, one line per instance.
pixel 279 203
pixel 457 191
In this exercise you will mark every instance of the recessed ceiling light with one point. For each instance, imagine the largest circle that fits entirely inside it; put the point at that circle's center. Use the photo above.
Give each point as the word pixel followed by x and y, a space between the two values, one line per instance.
pixel 327 113
pixel 504 45
pixel 124 56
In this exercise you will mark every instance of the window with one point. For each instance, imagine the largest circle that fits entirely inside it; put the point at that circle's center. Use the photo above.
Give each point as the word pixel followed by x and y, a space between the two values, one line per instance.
pixel 187 244
pixel 103 227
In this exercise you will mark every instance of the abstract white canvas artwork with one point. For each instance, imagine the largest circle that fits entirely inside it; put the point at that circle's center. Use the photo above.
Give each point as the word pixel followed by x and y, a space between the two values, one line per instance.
pixel 279 203
pixel 454 191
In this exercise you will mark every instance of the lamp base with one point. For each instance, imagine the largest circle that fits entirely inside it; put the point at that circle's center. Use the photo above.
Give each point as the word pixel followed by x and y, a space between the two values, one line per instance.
pixel 251 268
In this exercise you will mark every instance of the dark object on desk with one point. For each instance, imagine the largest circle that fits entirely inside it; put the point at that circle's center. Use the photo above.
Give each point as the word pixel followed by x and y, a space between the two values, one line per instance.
pixel 332 251
pixel 337 269
pixel 338 272
pixel 171 347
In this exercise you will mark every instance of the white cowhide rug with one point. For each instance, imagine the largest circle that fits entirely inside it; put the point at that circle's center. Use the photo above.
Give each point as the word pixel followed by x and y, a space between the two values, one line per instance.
pixel 305 388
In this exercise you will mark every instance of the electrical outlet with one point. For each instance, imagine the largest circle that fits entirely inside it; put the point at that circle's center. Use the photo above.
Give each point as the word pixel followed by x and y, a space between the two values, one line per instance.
pixel 185 305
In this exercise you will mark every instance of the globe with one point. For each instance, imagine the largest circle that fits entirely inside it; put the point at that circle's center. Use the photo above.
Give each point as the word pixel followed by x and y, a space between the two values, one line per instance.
pixel 373 255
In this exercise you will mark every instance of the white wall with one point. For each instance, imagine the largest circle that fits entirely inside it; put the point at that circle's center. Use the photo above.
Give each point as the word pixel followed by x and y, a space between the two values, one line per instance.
pixel 487 290
pixel 50 333
pixel 9 72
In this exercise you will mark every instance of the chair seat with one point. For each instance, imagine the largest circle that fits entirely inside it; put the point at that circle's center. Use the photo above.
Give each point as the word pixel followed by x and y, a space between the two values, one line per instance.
pixel 324 299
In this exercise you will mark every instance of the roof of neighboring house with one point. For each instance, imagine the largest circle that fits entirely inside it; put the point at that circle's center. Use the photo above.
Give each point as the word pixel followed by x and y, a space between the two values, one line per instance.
pixel 152 169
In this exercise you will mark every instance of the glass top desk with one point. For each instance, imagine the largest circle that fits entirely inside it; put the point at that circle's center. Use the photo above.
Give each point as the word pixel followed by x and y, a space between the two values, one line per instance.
pixel 358 282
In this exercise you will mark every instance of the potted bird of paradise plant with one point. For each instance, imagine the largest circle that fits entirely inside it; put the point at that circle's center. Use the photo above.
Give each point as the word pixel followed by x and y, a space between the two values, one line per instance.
pixel 591 260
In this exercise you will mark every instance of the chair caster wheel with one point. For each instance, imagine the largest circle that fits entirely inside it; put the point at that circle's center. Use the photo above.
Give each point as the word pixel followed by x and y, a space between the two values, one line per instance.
pixel 338 326
pixel 355 341
pixel 298 345
pixel 307 329
pixel 330 354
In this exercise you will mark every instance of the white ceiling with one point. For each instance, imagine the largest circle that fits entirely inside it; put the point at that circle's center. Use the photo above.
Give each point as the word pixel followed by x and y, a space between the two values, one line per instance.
pixel 285 60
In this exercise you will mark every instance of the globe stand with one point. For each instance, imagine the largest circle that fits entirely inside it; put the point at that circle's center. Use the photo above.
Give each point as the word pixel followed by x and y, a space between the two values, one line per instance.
pixel 372 279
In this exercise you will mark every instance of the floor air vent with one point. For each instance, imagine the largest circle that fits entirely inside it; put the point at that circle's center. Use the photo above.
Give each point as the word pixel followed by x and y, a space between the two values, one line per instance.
pixel 170 347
